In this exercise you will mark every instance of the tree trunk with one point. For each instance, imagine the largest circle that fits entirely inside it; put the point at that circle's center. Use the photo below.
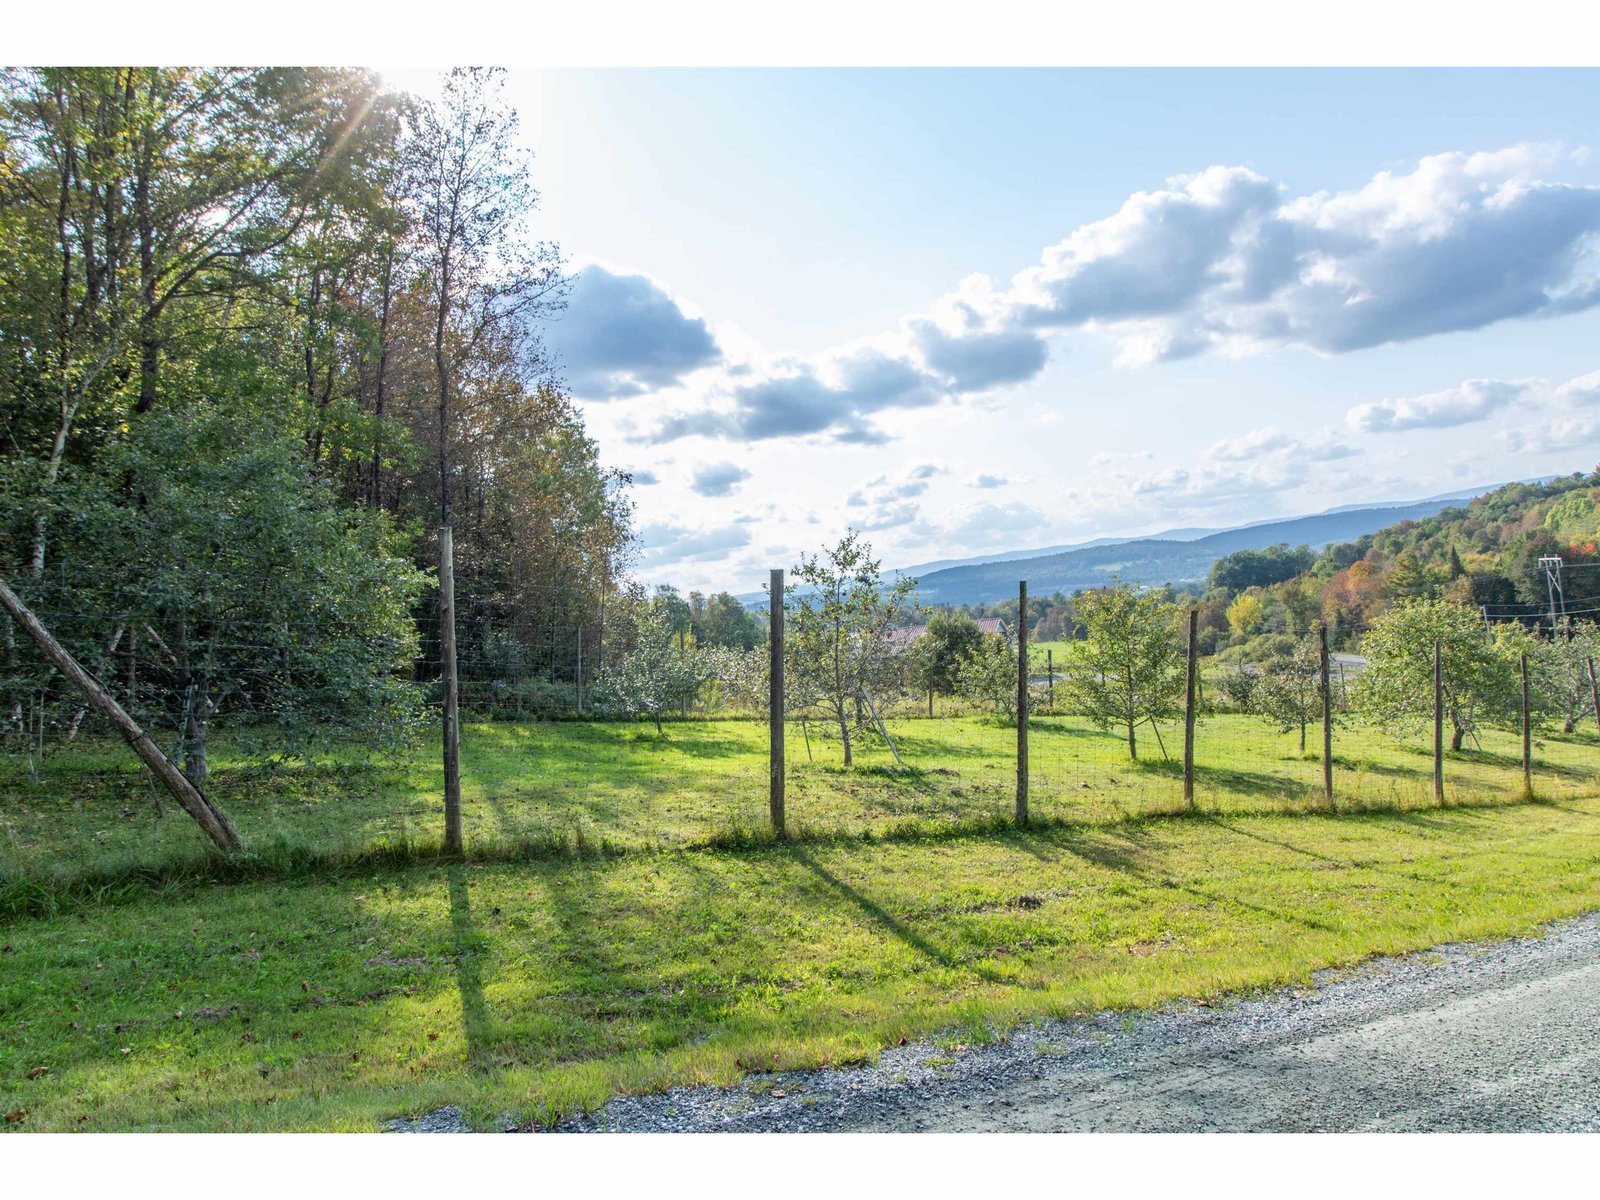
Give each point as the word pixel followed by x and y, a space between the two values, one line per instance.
pixel 1455 737
pixel 1302 734
pixel 380 403
pixel 196 765
pixel 844 733
pixel 1133 745
pixel 149 342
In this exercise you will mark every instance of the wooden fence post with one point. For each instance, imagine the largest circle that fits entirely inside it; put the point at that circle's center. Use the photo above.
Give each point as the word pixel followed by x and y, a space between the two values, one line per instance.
pixel 452 716
pixel 580 670
pixel 187 794
pixel 1022 702
pixel 1527 735
pixel 775 705
pixel 1438 722
pixel 1050 667
pixel 1188 709
pixel 1594 691
pixel 1327 716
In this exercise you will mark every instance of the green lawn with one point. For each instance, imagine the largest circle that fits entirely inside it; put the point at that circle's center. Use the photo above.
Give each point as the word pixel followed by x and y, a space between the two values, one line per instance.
pixel 624 922
pixel 531 787
pixel 531 988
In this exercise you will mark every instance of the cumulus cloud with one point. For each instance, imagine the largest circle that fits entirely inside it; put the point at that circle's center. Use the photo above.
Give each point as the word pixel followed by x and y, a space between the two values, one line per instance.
pixel 622 335
pixel 665 543
pixel 888 500
pixel 1581 392
pixel 1260 443
pixel 718 479
pixel 812 398
pixel 993 525
pixel 984 480
pixel 1553 435
pixel 1460 405
pixel 644 478
pixel 1223 261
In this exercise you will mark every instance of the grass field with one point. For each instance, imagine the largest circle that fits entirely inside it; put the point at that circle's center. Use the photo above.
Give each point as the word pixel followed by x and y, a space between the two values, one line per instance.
pixel 530 989
pixel 624 923
pixel 568 785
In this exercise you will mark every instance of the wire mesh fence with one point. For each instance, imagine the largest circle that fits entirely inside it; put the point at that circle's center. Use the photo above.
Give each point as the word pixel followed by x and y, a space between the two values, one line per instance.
pixel 547 763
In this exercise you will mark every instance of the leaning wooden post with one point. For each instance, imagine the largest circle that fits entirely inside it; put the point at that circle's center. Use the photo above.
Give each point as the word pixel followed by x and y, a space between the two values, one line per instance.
pixel 1327 716
pixel 1188 709
pixel 192 798
pixel 452 715
pixel 1438 722
pixel 1594 691
pixel 1527 735
pixel 1022 702
pixel 775 705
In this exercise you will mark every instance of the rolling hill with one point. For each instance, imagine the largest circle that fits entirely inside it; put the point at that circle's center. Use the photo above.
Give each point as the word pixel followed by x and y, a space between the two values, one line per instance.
pixel 1158 559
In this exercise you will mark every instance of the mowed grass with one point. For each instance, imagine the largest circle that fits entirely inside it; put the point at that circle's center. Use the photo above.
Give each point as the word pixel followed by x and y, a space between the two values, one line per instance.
pixel 557 787
pixel 531 989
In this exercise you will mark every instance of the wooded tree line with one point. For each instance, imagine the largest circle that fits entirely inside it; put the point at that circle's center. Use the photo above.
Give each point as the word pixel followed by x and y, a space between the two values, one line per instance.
pixel 262 331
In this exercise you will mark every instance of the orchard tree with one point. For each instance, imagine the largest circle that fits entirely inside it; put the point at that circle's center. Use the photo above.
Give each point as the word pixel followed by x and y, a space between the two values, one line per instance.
pixel 658 674
pixel 1288 691
pixel 939 653
pixel 742 676
pixel 1480 679
pixel 251 593
pixel 987 674
pixel 1563 669
pixel 838 619
pixel 1128 669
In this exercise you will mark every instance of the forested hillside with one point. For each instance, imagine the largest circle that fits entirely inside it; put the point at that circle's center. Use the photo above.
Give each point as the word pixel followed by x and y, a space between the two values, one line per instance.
pixel 1484 554
pixel 1153 561
pixel 261 330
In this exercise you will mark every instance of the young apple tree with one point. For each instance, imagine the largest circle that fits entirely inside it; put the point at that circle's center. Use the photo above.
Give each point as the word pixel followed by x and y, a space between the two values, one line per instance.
pixel 1129 668
pixel 838 619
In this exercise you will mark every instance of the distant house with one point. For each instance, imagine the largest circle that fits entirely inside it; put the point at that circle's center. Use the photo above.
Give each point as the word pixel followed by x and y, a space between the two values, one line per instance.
pixel 899 639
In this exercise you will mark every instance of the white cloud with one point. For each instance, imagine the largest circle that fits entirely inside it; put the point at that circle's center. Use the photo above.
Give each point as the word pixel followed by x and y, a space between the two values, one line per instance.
pixel 1581 392
pixel 622 335
pixel 718 479
pixel 1222 262
pixel 665 543
pixel 1460 405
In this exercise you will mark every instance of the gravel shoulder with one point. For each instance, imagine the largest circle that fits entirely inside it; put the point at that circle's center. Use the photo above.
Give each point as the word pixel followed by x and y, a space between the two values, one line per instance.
pixel 1470 1037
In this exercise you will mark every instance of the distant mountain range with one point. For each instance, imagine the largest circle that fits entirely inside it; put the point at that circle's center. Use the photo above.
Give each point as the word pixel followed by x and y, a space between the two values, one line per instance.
pixel 1172 556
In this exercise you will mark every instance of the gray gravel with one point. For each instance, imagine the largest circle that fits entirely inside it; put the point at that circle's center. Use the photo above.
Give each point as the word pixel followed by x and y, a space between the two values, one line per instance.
pixel 1495 1037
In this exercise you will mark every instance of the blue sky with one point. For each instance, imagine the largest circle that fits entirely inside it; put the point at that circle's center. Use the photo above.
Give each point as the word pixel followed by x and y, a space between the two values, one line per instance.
pixel 1270 292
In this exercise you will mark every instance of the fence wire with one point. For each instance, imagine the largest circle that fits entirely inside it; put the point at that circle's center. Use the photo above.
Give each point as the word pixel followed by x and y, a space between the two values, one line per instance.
pixel 546 766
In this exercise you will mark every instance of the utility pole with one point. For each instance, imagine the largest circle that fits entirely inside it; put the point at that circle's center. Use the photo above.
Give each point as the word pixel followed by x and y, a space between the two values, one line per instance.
pixel 1551 566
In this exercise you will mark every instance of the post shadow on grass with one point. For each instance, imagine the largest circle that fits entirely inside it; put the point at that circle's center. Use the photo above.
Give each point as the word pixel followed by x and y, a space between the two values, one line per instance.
pixel 1087 846
pixel 1432 822
pixel 1235 779
pixel 891 923
pixel 466 946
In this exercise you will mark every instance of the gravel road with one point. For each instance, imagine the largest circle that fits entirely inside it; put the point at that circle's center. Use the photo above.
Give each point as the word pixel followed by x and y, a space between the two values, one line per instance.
pixel 1485 1037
